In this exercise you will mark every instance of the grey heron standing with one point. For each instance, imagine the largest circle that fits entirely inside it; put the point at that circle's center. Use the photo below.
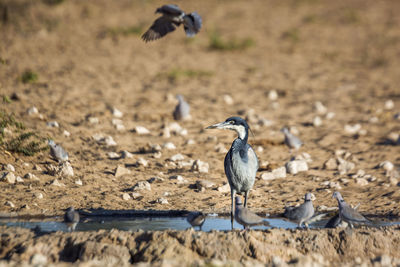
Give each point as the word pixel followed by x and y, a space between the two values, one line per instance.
pixel 241 162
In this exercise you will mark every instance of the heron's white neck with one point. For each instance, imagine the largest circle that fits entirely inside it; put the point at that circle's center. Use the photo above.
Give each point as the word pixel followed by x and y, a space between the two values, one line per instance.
pixel 239 129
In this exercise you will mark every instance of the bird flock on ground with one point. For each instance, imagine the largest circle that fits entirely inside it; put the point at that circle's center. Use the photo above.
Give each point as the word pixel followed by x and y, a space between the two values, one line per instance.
pixel 241 162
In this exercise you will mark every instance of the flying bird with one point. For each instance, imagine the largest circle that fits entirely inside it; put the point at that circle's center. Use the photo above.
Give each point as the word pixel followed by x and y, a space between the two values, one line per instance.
pixel 171 18
pixel 241 162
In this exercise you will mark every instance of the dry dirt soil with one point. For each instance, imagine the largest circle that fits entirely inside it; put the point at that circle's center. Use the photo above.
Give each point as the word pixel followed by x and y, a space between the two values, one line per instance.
pixel 88 58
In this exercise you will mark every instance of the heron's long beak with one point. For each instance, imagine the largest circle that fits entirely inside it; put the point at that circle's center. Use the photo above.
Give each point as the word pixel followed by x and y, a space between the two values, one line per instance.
pixel 221 125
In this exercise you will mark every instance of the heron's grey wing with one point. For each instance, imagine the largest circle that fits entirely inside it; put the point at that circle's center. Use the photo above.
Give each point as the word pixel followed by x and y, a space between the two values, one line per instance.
pixel 172 10
pixel 192 24
pixel 228 167
pixel 160 28
pixel 352 215
pixel 252 157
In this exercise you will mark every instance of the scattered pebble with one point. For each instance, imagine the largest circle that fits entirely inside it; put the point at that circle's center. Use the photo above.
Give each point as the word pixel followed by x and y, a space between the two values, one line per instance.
pixel 142 162
pixel 33 111
pixel 330 115
pixel 317 121
pixel 228 100
pixel 120 171
pixel 117 113
pixel 135 195
pixel 52 124
pixel 331 184
pixel 352 129
pixel 174 128
pixel 273 95
pixel 155 180
pixel 9 168
pixel 224 188
pixel 200 166
pixel 179 179
pixel 141 130
pixel 373 119
pixel 113 155
pixel 105 140
pixel 39 195
pixel 166 193
pixel 344 166
pixel 162 201
pixel 31 176
pixel 142 185
pixel 8 177
pixel 157 155
pixel 386 165
pixel 126 154
pixel 169 146
pixel 296 166
pixel 66 170
pixel 361 181
pixel 177 157
pixel 204 184
pixel 389 104
pixel 190 142
pixel 304 156
pixel 19 179
pixel 66 133
pixel 320 108
pixel 93 120
pixel 78 182
pixel 126 196
pixel 38 259
pixel 10 204
pixel 57 183
pixel 397 116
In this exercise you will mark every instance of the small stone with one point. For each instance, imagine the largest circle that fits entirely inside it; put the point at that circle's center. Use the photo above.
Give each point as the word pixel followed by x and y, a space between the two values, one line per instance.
pixel 389 104
pixel 352 129
pixel 190 142
pixel 345 166
pixel 273 95
pixel 260 149
pixel 386 165
pixel 109 141
pixel 26 165
pixel 165 194
pixel 142 162
pixel 57 183
pixel 177 157
pixel 330 115
pixel 200 166
pixel 39 195
pixel 200 184
pixel 93 120
pixel 136 195
pixel 31 176
pixel 66 170
pixel 224 188
pixel 179 179
pixel 360 173
pixel 117 113
pixel 19 179
pixel 66 133
pixel 393 181
pixel 120 171
pixel 126 196
pixel 157 155
pixel 296 166
pixel 142 185
pixel 9 168
pixel 120 127
pixel 126 154
pixel 162 201
pixel 141 130
pixel 38 259
pixel 267 176
pixel 78 182
pixel 10 204
pixel 279 172
pixel 361 181
pixel 8 177
pixel 320 108
pixel 113 155
pixel 373 119
pixel 304 156
pixel 169 146
pixel 52 124
pixel 228 100
pixel 33 111
pixel 317 121
pixel 155 180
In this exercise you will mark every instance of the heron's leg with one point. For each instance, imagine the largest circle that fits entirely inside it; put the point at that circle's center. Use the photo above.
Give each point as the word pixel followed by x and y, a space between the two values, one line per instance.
pixel 246 194
pixel 233 194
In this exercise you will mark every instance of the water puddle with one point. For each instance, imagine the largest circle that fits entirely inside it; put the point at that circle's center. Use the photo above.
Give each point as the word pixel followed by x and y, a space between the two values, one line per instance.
pixel 152 223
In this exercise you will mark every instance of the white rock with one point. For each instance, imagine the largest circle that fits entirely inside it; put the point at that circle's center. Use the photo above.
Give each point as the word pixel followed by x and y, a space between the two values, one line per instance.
pixel 178 178
pixel 317 121
pixel 183 164
pixel 136 195
pixel 10 204
pixel 126 154
pixel 120 170
pixel 360 173
pixel 98 137
pixel 117 122
pixel 373 119
pixel 177 157
pixel 166 193
pixel 279 172
pixel 19 179
pixel 389 104
pixel 162 201
pixel 200 184
pixel 260 149
pixel 272 95
pixel 113 155
pixel 157 155
pixel 33 111
pixel 109 141
pixel 200 166
pixel 296 166
pixel 265 122
pixel 228 100
pixel 304 156
pixel 345 166
pixel 352 129
pixel 31 176
pixel 166 133
pixel 169 146
pixel 190 142
pixel 8 177
pixel 142 185
pixel 120 127
pixel 117 113
pixel 66 170
pixel 267 176
pixel 155 180
pixel 141 130
pixel 66 133
pixel 126 196
pixel 57 183
pixel 330 115
pixel 224 188
pixel 52 124
pixel 361 181
pixel 93 120
pixel 9 168
pixel 320 108
pixel 142 162
pixel 38 259
pixel 386 165
pixel 78 182
pixel 39 195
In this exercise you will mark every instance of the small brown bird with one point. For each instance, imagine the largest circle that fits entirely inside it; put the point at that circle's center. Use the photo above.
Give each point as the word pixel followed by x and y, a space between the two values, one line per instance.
pixel 196 218
pixel 245 217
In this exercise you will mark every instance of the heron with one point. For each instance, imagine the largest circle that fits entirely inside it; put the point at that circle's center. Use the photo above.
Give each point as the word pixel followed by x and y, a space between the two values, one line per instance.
pixel 172 17
pixel 241 162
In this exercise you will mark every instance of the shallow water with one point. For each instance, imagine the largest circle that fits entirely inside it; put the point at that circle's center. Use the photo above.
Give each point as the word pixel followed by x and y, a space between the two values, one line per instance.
pixel 151 223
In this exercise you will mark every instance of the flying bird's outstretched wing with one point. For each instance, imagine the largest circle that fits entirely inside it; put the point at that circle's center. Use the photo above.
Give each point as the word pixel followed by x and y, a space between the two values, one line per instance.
pixel 160 28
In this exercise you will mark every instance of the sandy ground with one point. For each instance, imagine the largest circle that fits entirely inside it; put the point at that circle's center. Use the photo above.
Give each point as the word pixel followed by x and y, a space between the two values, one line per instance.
pixel 88 60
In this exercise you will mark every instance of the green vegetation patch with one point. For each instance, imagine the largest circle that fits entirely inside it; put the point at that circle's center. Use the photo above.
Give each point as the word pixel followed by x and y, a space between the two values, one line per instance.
pixel 218 43
pixel 176 74
pixel 29 77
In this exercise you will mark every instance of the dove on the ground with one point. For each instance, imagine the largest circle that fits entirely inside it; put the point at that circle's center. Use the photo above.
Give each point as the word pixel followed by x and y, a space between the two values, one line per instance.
pixel 71 218
pixel 347 213
pixel 196 219
pixel 182 109
pixel 171 17
pixel 292 141
pixel 301 214
pixel 57 152
pixel 246 217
